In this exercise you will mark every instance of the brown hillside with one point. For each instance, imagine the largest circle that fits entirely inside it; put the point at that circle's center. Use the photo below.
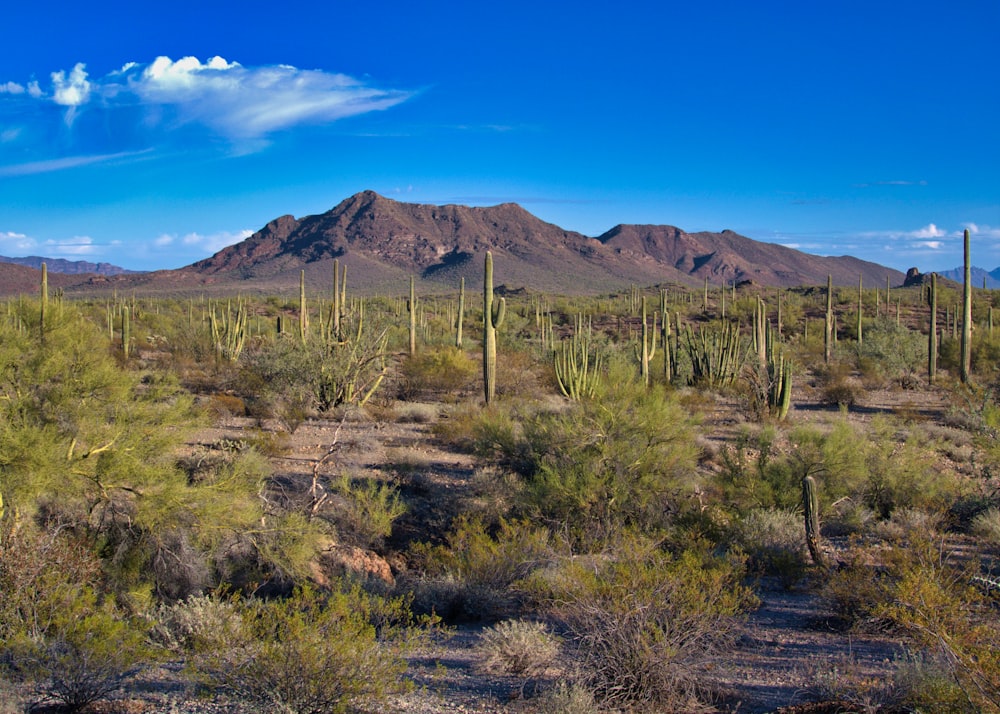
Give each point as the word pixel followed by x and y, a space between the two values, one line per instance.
pixel 382 242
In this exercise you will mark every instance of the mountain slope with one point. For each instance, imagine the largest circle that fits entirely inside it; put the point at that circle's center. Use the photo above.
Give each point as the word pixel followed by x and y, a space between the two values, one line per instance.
pixel 67 267
pixel 383 242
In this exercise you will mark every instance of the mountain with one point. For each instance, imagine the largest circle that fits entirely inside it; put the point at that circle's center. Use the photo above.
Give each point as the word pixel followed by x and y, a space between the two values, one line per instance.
pixel 383 242
pixel 68 267
pixel 16 279
pixel 980 277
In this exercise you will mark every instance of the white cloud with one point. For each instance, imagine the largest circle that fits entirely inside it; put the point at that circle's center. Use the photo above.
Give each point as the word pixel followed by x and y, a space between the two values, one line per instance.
pixel 239 103
pixel 215 242
pixel 11 88
pixel 72 91
pixel 931 244
pixel 929 231
pixel 72 247
pixel 17 244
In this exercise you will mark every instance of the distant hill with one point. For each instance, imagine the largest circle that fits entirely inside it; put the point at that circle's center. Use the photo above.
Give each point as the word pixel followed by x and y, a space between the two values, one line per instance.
pixel 68 267
pixel 992 277
pixel 383 242
pixel 17 279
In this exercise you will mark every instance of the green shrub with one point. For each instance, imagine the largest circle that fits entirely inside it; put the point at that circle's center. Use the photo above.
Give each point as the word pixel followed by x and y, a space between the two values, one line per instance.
pixel 987 526
pixel 646 625
pixel 518 647
pixel 310 653
pixel 773 541
pixel 443 369
pixel 477 573
pixel 624 458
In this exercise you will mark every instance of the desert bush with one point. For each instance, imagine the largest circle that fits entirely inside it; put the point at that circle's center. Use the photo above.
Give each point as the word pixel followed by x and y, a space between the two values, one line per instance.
pixel 891 352
pixel 310 653
pixel 566 698
pixel 932 600
pixel 79 650
pixel 368 510
pixel 443 369
pixel 625 458
pixel 987 526
pixel 646 625
pixel 475 575
pixel 194 624
pixel 518 647
pixel 773 541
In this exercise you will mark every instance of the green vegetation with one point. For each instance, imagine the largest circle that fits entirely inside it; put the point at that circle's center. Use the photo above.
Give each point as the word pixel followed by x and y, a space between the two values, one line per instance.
pixel 616 481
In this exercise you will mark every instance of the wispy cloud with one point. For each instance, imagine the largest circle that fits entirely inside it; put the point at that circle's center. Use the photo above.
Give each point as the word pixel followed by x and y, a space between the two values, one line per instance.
pixel 897 182
pixel 201 245
pixel 144 105
pixel 66 162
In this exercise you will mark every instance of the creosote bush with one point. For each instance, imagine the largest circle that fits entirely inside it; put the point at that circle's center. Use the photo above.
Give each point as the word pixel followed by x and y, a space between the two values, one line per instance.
pixel 518 647
pixel 311 653
pixel 645 625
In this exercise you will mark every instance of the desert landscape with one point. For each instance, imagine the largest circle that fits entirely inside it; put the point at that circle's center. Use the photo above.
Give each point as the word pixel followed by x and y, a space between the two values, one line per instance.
pixel 238 491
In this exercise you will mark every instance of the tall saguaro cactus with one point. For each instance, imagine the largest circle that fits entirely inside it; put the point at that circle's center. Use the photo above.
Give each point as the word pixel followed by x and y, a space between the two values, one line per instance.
pixel 932 348
pixel 461 313
pixel 966 314
pixel 828 334
pixel 493 315
pixel 647 349
pixel 43 300
pixel 411 307
pixel 861 296
pixel 303 318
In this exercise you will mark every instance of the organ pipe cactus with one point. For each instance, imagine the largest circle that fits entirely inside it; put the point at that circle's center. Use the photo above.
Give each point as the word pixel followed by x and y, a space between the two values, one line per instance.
pixel 774 380
pixel 229 332
pixel 577 373
pixel 493 315
pixel 717 356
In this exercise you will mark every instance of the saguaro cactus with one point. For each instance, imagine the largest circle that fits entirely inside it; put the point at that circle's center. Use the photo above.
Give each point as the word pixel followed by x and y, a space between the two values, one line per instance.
pixel 126 331
pixel 932 347
pixel 966 314
pixel 411 307
pixel 647 349
pixel 493 315
pixel 811 507
pixel 861 295
pixel 461 313
pixel 303 318
pixel 43 300
pixel 828 335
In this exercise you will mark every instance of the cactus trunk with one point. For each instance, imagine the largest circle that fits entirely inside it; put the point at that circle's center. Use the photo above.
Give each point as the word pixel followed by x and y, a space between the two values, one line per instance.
pixel 966 314
pixel 810 504
pixel 493 315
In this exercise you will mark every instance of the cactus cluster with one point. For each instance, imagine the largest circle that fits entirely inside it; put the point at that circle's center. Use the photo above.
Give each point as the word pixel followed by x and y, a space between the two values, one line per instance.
pixel 229 331
pixel 578 371
pixel 717 355
pixel 646 350
pixel 775 372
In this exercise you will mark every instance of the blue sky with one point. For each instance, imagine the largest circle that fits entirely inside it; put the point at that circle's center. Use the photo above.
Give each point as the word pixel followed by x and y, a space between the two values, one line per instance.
pixel 151 135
